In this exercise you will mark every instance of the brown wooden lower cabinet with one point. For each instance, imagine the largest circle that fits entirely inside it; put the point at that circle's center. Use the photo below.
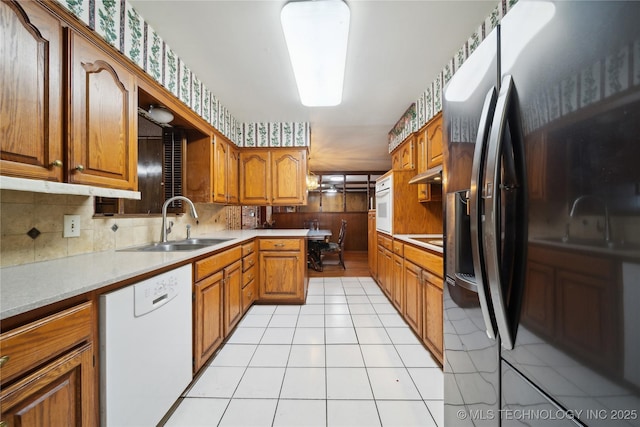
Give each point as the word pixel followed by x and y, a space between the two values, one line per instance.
pixel 372 243
pixel 217 301
pixel 413 296
pixel 570 300
pixel 432 332
pixel 232 296
pixel 411 277
pixel 283 265
pixel 208 320
pixel 59 387
pixel 397 297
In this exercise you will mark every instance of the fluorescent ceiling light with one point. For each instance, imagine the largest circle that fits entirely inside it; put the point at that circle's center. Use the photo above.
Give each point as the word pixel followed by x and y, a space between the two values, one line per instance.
pixel 316 33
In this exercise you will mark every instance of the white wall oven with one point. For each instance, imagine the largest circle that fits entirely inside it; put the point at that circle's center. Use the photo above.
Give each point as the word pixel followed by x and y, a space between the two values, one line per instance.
pixel 384 204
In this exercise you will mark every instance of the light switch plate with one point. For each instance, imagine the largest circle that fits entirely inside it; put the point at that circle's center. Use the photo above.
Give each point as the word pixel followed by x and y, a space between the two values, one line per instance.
pixel 71 226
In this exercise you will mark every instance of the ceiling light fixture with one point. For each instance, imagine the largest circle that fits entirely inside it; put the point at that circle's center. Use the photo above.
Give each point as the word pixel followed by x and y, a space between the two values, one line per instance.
pixel 160 114
pixel 316 33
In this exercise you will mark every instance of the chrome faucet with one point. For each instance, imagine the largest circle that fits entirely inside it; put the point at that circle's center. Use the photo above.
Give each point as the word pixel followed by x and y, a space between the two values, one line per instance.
pixel 607 224
pixel 194 214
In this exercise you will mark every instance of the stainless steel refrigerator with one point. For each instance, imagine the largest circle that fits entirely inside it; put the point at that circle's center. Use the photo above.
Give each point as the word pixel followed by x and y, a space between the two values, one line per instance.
pixel 542 220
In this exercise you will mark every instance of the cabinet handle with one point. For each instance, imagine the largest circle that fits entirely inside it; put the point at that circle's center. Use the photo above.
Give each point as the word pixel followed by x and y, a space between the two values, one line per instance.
pixel 3 360
pixel 56 164
pixel 80 168
pixel 279 245
pixel 251 278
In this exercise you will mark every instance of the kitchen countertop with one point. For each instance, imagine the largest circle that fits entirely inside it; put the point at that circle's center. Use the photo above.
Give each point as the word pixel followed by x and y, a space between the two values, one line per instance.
pixel 409 238
pixel 631 251
pixel 30 286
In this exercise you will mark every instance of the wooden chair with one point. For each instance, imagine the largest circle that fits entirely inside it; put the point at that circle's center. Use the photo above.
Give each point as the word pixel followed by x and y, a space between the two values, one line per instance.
pixel 333 248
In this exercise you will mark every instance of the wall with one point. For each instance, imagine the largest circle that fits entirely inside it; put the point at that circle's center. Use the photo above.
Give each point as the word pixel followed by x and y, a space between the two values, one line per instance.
pixel 22 211
pixel 356 236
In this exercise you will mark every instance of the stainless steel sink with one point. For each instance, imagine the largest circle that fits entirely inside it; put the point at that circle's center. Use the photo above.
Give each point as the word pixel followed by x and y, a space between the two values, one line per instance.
pixel 177 245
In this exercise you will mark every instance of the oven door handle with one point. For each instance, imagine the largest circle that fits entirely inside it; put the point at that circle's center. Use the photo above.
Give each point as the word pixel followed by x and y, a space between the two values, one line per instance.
pixel 476 217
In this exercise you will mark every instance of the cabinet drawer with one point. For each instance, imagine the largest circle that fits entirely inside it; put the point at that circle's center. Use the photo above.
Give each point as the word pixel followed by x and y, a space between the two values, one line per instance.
pixel 385 242
pixel 248 276
pixel 249 295
pixel 398 248
pixel 248 248
pixel 424 259
pixel 208 266
pixel 28 346
pixel 248 261
pixel 280 244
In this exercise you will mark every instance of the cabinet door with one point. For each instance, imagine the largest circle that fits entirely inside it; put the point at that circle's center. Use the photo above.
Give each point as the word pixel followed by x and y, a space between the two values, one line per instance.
pixel 208 319
pixel 281 276
pixel 432 303
pixel 538 300
pixel 254 182
pixel 381 268
pixel 31 106
pixel 199 173
pixel 288 177
pixel 413 296
pixel 372 246
pixel 232 296
pixel 58 394
pixel 233 167
pixel 434 142
pixel 587 317
pixel 421 161
pixel 220 166
pixel 398 282
pixel 407 155
pixel 102 119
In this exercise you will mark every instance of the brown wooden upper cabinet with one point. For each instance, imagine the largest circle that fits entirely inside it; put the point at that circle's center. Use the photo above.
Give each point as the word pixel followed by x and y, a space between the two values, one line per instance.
pixel 31 107
pixel 212 169
pixel 404 156
pixel 100 143
pixel 227 164
pixel 103 118
pixel 429 154
pixel 434 141
pixel 273 176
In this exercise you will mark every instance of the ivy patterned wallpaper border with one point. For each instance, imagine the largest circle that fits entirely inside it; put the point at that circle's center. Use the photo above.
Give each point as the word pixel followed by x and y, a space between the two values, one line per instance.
pixel 117 22
pixel 429 103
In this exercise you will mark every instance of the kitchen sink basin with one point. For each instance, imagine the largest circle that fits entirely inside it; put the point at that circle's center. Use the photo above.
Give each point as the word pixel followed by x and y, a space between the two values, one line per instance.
pixel 177 245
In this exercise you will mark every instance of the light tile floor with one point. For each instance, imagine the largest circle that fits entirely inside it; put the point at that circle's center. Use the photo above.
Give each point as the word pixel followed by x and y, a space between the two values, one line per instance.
pixel 346 358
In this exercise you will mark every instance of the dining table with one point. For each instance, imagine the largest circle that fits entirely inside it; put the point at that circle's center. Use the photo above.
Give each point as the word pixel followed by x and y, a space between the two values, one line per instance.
pixel 316 238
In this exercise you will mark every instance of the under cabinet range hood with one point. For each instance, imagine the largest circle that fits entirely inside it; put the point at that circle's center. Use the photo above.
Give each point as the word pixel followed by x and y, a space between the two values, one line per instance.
pixel 431 176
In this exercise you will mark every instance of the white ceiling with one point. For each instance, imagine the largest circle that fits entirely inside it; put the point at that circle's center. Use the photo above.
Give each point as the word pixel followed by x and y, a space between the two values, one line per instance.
pixel 396 48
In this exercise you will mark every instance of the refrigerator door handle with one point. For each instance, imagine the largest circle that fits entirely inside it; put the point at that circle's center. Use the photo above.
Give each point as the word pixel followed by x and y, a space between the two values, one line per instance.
pixel 505 233
pixel 475 211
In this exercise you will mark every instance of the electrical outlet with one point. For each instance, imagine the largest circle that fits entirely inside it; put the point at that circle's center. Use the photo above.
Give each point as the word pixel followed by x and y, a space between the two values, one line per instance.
pixel 71 226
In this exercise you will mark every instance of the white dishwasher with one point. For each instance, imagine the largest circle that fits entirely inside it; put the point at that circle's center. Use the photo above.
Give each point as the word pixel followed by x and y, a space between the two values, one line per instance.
pixel 145 349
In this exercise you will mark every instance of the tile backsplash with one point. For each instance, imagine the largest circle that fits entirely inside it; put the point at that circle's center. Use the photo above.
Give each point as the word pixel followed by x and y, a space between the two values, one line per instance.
pixel 22 211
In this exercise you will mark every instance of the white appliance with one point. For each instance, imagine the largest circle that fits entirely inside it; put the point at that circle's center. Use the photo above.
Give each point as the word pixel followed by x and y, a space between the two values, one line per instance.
pixel 145 349
pixel 384 204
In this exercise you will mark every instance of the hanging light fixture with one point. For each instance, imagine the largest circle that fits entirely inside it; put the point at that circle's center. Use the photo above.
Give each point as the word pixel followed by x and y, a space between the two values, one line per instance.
pixel 316 33
pixel 160 114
